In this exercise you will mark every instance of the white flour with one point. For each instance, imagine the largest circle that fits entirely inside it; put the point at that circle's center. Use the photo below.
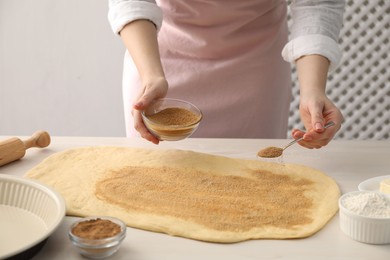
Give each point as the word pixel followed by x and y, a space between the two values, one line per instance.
pixel 369 204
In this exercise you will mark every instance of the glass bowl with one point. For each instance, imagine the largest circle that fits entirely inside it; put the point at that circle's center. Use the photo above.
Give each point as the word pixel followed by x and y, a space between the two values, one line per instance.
pixel 171 119
pixel 92 244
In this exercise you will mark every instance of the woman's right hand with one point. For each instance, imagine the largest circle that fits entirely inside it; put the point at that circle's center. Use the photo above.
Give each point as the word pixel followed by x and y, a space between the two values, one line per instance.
pixel 140 38
pixel 154 89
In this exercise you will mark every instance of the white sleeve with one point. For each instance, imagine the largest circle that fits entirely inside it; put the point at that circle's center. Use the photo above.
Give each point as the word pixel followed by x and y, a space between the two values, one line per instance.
pixel 122 12
pixel 315 30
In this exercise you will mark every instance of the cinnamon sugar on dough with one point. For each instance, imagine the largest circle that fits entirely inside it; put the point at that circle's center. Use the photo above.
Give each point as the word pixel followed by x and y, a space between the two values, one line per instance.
pixel 224 203
pixel 194 195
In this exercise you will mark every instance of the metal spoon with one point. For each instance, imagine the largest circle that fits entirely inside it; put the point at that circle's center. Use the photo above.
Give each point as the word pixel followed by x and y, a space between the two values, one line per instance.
pixel 273 152
pixel 329 124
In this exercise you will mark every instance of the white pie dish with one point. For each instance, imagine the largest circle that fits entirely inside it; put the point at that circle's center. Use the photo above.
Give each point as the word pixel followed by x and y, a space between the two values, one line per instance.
pixel 29 213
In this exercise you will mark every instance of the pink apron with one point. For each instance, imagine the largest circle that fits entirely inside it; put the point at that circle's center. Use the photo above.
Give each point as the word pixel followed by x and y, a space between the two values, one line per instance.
pixel 224 57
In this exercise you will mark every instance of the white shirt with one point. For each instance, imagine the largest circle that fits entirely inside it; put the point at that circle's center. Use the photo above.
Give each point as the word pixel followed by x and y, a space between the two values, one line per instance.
pixel 315 29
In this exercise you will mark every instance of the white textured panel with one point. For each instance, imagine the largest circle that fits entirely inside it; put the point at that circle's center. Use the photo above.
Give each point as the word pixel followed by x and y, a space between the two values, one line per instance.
pixel 360 86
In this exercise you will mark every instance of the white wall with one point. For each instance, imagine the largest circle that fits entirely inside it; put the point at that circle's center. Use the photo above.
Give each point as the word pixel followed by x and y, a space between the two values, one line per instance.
pixel 60 69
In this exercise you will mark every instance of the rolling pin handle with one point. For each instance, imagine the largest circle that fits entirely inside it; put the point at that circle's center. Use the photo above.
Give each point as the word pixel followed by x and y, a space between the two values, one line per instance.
pixel 39 139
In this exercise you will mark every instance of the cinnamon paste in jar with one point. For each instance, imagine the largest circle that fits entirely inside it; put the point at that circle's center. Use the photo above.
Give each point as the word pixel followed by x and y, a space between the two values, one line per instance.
pixel 174 121
pixel 174 116
pixel 96 229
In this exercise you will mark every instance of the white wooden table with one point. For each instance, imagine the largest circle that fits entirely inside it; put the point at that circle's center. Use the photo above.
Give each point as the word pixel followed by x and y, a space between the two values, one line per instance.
pixel 348 162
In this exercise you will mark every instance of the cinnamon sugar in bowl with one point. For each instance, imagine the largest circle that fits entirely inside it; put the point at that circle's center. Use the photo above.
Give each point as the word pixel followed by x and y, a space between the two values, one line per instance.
pixel 97 237
pixel 171 119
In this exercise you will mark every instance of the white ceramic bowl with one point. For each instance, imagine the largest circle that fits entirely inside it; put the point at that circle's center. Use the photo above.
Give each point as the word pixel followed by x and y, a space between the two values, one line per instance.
pixel 170 132
pixel 29 213
pixel 371 230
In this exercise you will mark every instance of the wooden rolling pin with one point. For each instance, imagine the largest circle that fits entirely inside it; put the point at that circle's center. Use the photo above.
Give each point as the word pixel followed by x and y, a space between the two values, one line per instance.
pixel 14 149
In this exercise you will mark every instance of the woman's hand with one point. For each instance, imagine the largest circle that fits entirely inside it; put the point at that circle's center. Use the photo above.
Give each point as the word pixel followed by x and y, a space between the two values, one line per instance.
pixel 140 39
pixel 154 89
pixel 316 110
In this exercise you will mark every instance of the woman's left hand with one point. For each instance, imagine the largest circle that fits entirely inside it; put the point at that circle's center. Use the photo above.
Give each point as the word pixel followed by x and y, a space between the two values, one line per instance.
pixel 316 110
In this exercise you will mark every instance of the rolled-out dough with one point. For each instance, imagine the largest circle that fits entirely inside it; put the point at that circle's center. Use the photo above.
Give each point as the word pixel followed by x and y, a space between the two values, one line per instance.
pixel 193 195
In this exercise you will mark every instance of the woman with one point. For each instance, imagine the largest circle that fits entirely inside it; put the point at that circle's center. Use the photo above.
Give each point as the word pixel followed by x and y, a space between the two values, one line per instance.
pixel 225 57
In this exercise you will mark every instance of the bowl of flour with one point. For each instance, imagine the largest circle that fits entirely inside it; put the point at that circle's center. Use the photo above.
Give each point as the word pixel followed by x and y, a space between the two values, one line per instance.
pixel 365 216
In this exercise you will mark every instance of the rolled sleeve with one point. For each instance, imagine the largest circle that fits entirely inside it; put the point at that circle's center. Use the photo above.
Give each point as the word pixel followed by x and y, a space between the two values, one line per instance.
pixel 123 12
pixel 315 30
pixel 313 44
